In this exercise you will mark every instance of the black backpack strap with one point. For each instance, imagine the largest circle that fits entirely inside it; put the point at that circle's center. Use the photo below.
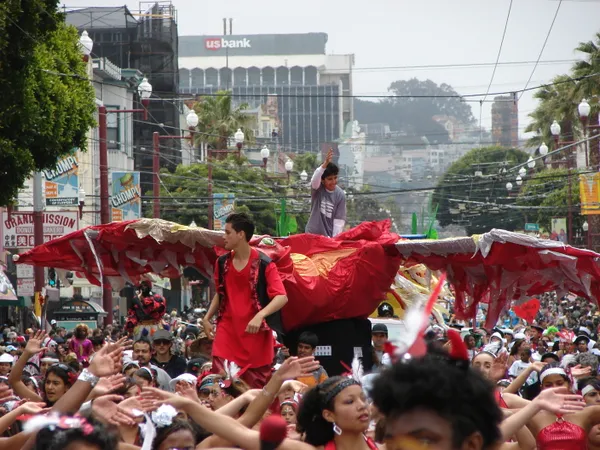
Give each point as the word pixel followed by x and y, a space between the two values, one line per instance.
pixel 221 262
pixel 274 320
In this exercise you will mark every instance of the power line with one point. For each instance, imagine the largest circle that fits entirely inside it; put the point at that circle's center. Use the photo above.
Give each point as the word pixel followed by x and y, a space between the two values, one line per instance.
pixel 499 50
pixel 543 46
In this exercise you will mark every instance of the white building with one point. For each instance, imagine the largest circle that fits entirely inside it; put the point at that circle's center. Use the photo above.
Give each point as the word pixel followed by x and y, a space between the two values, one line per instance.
pixel 313 89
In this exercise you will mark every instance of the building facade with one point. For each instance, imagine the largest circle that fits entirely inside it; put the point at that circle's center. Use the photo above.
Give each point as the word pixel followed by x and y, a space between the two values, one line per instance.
pixel 505 121
pixel 290 74
pixel 145 41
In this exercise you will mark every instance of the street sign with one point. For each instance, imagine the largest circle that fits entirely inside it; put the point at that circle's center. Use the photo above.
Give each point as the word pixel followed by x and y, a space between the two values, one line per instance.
pixel 532 227
pixel 18 230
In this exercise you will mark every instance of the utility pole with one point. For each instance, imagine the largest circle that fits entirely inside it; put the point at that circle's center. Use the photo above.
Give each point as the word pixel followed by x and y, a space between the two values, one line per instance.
pixel 211 204
pixel 156 178
pixel 38 233
pixel 107 300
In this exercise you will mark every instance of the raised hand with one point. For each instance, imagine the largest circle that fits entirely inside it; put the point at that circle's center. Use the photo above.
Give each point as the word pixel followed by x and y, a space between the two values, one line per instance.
pixel 187 390
pixel 6 393
pixel 32 408
pixel 538 366
pixel 499 367
pixel 328 158
pixel 106 409
pixel 156 397
pixel 34 345
pixel 107 385
pixel 581 372
pixel 559 401
pixel 107 361
pixel 294 367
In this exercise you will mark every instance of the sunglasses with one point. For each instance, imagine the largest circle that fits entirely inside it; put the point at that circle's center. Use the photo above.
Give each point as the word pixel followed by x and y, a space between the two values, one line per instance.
pixel 209 393
pixel 63 367
pixel 162 342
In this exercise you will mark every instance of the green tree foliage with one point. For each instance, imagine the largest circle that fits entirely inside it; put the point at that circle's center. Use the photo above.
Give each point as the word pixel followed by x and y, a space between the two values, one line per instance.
pixel 362 207
pixel 414 115
pixel 307 162
pixel 472 201
pixel 185 193
pixel 47 104
pixel 547 194
pixel 219 119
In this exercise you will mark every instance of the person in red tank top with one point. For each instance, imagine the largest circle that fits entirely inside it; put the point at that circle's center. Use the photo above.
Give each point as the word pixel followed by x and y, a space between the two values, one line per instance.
pixel 242 335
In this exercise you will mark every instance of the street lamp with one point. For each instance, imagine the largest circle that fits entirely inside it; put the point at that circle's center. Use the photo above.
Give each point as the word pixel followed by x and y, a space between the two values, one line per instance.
pixel 531 163
pixel 81 202
pixel 584 109
pixel 303 176
pixel 145 91
pixel 192 119
pixel 509 186
pixel 585 227
pixel 289 166
pixel 555 130
pixel 519 181
pixel 239 140
pixel 193 224
pixel 264 154
pixel 522 171
pixel 543 149
pixel 86 45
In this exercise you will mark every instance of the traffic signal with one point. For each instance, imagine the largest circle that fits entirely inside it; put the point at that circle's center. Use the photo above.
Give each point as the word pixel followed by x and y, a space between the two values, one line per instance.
pixel 51 277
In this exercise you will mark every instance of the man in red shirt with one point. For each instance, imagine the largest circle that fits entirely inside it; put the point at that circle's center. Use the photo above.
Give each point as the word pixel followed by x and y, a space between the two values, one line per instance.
pixel 249 296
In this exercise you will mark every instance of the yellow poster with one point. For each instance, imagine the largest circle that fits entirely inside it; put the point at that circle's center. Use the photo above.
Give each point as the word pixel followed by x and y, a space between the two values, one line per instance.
pixel 589 188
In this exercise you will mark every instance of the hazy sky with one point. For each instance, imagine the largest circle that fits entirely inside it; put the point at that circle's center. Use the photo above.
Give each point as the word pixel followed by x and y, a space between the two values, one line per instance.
pixel 392 33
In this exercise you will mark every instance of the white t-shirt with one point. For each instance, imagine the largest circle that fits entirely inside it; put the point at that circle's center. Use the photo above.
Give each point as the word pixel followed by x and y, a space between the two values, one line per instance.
pixel 518 367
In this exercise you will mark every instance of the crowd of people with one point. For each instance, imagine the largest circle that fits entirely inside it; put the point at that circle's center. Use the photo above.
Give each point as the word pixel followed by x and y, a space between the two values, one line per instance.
pixel 96 389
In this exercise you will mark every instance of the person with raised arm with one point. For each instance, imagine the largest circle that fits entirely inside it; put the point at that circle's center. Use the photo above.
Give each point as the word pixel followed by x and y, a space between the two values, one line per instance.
pixel 328 201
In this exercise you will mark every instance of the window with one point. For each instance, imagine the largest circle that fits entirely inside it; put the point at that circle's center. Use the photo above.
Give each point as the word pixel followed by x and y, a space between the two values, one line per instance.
pixel 112 129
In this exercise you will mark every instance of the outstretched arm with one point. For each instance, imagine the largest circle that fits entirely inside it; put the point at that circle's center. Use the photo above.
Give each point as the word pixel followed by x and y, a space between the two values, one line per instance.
pixel 556 400
pixel 216 423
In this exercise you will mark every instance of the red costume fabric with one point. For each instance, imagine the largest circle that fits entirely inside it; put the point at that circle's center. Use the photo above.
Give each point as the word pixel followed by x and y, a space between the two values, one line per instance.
pixel 147 309
pixel 232 343
pixel 562 435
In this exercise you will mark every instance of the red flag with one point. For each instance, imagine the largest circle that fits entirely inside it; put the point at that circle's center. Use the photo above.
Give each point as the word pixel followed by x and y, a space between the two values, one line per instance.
pixel 528 310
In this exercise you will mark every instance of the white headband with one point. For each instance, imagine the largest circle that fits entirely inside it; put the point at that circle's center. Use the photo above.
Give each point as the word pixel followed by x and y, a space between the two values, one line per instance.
pixel 553 371
pixel 586 390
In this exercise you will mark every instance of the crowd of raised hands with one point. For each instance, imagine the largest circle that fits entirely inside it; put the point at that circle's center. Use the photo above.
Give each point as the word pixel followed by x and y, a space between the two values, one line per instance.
pixel 97 411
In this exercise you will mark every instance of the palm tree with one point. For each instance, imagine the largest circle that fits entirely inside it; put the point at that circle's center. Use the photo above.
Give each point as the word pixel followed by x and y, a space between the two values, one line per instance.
pixel 219 119
pixel 588 87
pixel 556 102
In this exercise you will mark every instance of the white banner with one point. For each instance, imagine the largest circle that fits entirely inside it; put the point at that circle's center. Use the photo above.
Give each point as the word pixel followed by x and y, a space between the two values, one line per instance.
pixel 24 271
pixel 18 231
pixel 25 287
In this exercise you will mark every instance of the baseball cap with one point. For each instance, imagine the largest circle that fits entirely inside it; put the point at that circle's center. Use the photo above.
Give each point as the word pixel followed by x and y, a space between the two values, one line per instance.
pixel 11 348
pixel 379 328
pixel 162 335
pixel 6 358
pixel 187 377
